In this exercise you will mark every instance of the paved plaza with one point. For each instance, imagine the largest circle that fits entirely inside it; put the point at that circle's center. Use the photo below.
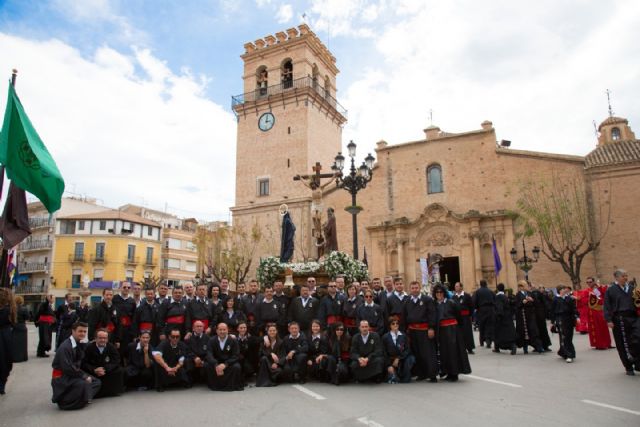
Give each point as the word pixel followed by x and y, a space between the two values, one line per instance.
pixel 504 390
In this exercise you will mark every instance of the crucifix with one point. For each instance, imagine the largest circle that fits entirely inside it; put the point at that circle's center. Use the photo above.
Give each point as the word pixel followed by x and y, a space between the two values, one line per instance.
pixel 313 182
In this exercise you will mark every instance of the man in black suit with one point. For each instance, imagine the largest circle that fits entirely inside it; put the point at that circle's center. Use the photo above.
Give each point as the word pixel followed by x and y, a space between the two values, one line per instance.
pixel 367 358
pixel 224 372
pixel 102 360
pixel 304 309
pixel 398 357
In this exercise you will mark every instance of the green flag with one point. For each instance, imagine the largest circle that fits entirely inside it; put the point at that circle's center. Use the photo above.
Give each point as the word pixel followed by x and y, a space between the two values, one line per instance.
pixel 27 161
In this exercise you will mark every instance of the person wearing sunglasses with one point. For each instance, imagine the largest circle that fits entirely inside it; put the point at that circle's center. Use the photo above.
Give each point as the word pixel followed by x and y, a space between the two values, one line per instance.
pixel 372 313
pixel 126 307
pixel 170 357
pixel 330 310
pixel 339 354
pixel 398 358
pixel 453 354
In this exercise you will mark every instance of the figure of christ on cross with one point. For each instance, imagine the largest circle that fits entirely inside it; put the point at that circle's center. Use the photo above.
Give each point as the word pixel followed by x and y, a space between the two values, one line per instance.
pixel 312 181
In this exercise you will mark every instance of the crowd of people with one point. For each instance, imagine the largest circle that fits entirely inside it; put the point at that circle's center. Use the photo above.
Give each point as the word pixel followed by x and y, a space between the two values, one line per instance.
pixel 365 332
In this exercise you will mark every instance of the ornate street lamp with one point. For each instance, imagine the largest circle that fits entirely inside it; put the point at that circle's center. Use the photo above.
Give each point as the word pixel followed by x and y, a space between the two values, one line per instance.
pixel 355 181
pixel 525 263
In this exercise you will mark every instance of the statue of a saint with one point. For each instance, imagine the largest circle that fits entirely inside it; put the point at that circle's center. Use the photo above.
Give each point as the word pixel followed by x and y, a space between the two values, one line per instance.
pixel 330 232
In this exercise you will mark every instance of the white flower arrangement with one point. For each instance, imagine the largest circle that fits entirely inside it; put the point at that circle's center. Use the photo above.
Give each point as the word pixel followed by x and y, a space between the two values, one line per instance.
pixel 336 264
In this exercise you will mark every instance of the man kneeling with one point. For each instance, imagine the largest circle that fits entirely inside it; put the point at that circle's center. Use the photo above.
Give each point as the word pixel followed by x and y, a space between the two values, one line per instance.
pixel 72 387
pixel 367 358
pixel 224 372
pixel 170 357
pixel 102 360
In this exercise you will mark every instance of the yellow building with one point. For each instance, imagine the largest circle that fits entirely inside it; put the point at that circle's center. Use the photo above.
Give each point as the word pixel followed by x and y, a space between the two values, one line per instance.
pixel 96 249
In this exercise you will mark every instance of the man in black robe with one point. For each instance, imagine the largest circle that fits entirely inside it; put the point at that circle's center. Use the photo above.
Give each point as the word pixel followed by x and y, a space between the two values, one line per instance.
pixel 395 303
pixel 72 387
pixel 372 313
pixel 171 314
pixel 387 292
pixel 621 316
pixel 102 360
pixel 465 302
pixel 145 316
pixel 139 370
pixel 105 316
pixel 505 332
pixel 296 348
pixel 270 311
pixel 330 310
pixel 163 293
pixel 484 303
pixel 367 355
pixel 198 343
pixel 526 325
pixel 454 359
pixel 420 325
pixel 563 315
pixel 199 309
pixel 541 313
pixel 250 304
pixel 45 321
pixel 170 356
pixel 398 358
pixel 303 309
pixel 281 297
pixel 224 372
pixel 126 307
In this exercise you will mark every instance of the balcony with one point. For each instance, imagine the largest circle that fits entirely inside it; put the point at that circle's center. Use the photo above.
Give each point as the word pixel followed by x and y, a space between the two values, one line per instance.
pixel 33 267
pixel 98 259
pixel 151 262
pixel 39 222
pixel 131 260
pixel 295 86
pixel 35 245
pixel 76 258
pixel 30 288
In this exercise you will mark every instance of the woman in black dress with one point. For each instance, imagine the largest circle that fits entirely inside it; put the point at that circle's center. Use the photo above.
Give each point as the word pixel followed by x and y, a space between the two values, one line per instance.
pixel 453 354
pixel 349 310
pixel 272 358
pixel 231 316
pixel 8 318
pixel 19 336
pixel 339 354
pixel 318 353
pixel 65 322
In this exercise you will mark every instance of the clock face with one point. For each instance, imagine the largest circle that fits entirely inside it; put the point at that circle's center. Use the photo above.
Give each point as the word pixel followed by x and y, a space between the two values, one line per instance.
pixel 266 122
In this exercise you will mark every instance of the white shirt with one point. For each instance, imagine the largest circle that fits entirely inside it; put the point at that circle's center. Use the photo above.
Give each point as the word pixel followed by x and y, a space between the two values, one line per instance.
pixel 415 299
pixel 223 343
pixel 74 344
pixel 304 301
pixel 365 338
pixel 101 349
pixel 394 336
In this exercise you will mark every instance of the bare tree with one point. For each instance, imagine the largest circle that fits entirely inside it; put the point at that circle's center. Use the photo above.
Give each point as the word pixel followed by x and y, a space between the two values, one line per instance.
pixel 558 210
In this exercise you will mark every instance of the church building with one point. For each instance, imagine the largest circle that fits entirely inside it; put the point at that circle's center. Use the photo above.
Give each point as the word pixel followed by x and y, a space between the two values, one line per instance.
pixel 448 194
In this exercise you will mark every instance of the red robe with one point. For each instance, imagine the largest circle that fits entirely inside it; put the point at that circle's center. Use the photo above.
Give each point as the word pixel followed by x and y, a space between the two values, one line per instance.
pixel 598 330
pixel 582 303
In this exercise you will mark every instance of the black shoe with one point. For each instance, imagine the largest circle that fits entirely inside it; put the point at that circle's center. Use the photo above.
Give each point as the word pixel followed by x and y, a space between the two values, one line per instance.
pixel 547 350
pixel 488 344
pixel 43 355
pixel 630 372
pixel 514 350
pixel 470 352
pixel 187 385
pixel 433 380
pixel 160 389
pixel 452 378
pixel 526 350
pixel 496 350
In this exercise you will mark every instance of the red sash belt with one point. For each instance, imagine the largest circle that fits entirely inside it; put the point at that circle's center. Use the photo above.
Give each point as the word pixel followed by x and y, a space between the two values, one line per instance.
pixel 145 326
pixel 110 327
pixel 57 373
pixel 47 318
pixel 448 322
pixel 350 322
pixel 423 326
pixel 333 319
pixel 205 322
pixel 175 320
pixel 345 355
pixel 125 321
pixel 465 312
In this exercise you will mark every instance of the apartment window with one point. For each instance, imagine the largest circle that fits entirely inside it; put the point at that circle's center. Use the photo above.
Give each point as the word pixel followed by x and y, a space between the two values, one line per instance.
pixel 103 225
pixel 173 243
pixel 149 256
pixel 263 187
pixel 129 277
pixel 81 225
pixel 76 277
pixel 190 266
pixel 78 251
pixel 100 251
pixel 149 231
pixel 98 274
pixel 68 227
pixel 131 252
pixel 173 263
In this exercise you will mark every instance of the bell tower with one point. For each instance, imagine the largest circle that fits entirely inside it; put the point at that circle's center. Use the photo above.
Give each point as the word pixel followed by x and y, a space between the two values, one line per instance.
pixel 288 117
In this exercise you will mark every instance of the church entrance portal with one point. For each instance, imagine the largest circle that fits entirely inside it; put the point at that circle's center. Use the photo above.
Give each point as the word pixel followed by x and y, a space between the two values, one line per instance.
pixel 450 270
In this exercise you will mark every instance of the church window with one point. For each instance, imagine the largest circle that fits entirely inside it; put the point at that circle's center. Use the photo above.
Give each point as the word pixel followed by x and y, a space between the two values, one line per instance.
pixel 287 74
pixel 434 179
pixel 615 134
pixel 262 80
pixel 263 186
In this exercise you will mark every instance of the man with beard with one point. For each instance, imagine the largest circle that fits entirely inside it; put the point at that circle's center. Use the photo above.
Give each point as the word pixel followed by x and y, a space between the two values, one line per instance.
pixel 465 302
pixel 45 321
pixel 102 360
pixel 526 325
pixel 484 303
pixel 72 387
pixel 419 325
pixel 105 316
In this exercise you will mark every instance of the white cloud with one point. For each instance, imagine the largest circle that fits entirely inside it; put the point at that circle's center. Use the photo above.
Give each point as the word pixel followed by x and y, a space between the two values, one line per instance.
pixel 538 72
pixel 123 136
pixel 284 14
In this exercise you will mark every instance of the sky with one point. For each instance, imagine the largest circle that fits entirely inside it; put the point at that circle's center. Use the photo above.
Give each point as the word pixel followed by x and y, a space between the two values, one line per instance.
pixel 132 97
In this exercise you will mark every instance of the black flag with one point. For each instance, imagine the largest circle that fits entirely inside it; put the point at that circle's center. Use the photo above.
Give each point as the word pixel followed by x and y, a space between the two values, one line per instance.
pixel 14 223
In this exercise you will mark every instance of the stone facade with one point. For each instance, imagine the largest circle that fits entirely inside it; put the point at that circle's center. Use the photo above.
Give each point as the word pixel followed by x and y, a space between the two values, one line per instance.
pixel 402 220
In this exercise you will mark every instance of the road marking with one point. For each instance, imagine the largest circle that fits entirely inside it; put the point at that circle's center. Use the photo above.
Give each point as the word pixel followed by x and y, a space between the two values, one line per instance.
pixel 366 421
pixel 489 380
pixel 309 392
pixel 617 408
